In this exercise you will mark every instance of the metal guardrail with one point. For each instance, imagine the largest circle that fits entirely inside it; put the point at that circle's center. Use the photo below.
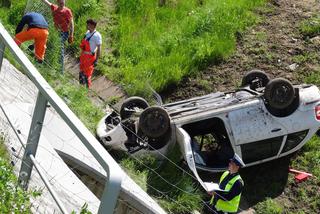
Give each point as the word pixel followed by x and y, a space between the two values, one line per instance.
pixel 47 94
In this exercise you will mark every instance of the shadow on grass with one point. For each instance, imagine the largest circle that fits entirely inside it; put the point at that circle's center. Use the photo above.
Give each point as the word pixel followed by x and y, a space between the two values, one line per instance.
pixel 264 180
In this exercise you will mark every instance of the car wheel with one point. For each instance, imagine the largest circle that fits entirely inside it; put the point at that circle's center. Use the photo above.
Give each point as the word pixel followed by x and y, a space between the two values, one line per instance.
pixel 279 93
pixel 130 105
pixel 154 122
pixel 255 79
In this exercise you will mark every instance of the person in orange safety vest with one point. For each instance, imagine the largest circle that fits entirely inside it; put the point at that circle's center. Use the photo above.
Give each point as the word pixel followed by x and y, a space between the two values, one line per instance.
pixel 90 53
pixel 37 30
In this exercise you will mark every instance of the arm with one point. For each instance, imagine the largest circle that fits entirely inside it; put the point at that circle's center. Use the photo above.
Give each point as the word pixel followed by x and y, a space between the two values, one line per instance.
pixel 234 191
pixel 98 51
pixel 71 30
pixel 47 2
pixel 21 24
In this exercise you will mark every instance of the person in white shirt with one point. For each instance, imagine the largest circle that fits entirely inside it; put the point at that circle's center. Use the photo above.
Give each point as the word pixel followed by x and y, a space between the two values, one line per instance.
pixel 90 52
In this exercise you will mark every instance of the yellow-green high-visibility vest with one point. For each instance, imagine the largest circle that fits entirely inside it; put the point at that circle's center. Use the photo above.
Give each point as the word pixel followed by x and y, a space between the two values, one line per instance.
pixel 232 205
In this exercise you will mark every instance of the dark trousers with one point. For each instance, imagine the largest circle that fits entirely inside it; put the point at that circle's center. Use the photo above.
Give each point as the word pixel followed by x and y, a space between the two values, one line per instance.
pixel 83 79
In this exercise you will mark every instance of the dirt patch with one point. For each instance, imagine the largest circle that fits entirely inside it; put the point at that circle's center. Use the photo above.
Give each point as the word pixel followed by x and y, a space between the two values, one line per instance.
pixel 275 45
pixel 102 91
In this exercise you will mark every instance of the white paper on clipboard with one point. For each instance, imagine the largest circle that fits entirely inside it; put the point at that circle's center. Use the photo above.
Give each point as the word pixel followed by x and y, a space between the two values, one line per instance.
pixel 213 187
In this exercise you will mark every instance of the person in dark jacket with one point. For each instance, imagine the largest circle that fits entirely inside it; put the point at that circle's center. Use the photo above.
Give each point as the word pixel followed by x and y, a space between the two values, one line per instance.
pixel 231 184
pixel 37 30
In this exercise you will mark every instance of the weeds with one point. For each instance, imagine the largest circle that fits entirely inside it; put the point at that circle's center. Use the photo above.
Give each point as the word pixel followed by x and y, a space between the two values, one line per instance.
pixel 268 206
pixel 160 45
pixel 173 189
pixel 13 198
pixel 310 27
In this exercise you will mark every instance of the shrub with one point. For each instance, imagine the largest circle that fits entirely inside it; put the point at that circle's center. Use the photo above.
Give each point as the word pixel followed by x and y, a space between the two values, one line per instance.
pixel 310 27
pixel 268 206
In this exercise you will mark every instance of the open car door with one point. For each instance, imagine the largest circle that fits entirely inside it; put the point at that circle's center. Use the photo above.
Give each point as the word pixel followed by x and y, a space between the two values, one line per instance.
pixel 185 145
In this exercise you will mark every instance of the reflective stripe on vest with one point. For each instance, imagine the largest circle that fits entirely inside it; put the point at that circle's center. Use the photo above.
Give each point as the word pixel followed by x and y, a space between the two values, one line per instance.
pixel 232 205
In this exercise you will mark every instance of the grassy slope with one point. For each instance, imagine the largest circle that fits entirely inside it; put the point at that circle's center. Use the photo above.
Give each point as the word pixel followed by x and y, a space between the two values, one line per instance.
pixel 160 45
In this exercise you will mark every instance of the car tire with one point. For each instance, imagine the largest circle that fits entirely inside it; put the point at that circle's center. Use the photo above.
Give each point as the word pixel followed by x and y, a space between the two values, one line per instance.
pixel 131 103
pixel 255 79
pixel 279 93
pixel 154 122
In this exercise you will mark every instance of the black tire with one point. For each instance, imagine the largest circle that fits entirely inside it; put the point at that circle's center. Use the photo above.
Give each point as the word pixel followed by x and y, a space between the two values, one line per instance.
pixel 130 104
pixel 255 79
pixel 279 93
pixel 154 122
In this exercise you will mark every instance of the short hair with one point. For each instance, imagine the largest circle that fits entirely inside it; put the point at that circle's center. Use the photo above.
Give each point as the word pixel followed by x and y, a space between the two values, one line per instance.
pixel 92 22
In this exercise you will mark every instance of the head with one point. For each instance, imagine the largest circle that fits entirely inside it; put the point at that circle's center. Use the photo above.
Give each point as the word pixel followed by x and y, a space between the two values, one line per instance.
pixel 233 167
pixel 61 3
pixel 235 164
pixel 91 25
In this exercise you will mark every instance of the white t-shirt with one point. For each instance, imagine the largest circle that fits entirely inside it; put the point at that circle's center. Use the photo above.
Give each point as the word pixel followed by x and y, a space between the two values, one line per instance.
pixel 94 41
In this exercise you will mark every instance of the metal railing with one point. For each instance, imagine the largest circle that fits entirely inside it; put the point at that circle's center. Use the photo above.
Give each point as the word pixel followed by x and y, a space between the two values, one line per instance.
pixel 47 95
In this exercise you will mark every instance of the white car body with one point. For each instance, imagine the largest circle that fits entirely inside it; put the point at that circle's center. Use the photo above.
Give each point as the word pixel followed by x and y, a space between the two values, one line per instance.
pixel 238 122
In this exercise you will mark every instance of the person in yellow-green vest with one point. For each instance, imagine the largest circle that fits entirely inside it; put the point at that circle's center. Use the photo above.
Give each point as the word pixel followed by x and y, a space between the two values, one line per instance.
pixel 228 200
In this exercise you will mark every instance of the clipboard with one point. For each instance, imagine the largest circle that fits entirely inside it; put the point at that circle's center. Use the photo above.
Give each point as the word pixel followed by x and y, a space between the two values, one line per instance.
pixel 210 187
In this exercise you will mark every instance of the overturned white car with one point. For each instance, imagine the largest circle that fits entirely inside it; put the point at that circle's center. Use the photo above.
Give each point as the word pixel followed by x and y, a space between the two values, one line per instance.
pixel 261 121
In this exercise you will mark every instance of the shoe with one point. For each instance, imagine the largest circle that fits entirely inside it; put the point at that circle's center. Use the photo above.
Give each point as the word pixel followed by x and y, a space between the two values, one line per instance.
pixel 40 61
pixel 31 47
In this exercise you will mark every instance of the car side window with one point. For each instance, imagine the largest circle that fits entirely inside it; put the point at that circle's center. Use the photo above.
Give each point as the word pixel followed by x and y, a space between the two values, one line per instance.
pixel 260 150
pixel 294 139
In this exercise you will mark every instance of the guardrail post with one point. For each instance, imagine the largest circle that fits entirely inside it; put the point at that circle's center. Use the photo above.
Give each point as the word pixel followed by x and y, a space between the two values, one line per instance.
pixel 33 140
pixel 2 47
pixel 111 192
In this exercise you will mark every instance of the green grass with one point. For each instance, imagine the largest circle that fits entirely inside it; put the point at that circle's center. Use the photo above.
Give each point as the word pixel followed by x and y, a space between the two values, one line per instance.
pixel 313 77
pixel 310 27
pixel 160 45
pixel 269 206
pixel 174 190
pixel 13 198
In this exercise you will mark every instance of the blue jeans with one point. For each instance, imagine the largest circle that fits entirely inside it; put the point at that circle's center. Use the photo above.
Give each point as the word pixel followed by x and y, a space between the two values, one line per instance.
pixel 63 38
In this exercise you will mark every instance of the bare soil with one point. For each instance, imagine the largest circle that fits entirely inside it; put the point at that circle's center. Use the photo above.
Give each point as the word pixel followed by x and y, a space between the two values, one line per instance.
pixel 275 45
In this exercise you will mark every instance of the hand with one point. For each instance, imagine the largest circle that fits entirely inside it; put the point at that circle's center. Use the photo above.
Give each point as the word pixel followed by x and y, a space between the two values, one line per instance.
pixel 70 39
pixel 211 193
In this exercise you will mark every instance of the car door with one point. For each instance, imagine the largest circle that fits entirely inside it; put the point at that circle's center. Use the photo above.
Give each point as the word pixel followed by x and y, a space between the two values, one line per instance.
pixel 184 141
pixel 253 123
